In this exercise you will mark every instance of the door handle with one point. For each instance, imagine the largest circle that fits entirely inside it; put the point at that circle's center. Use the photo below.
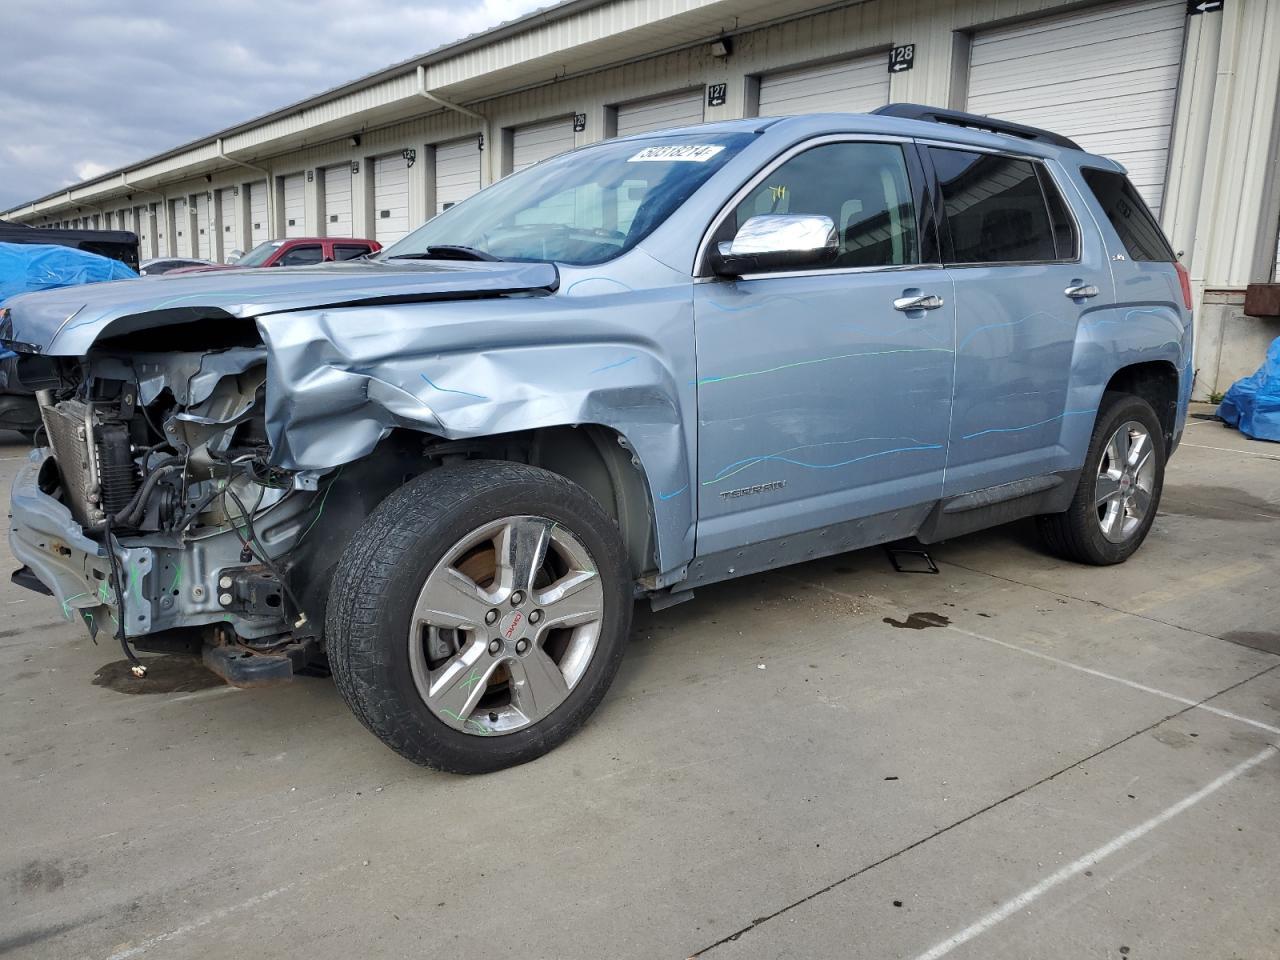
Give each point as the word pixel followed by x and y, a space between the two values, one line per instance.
pixel 1081 291
pixel 926 301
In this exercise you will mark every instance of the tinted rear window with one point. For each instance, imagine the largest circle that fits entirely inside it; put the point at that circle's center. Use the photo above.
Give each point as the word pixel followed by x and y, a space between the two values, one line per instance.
pixel 996 210
pixel 1129 215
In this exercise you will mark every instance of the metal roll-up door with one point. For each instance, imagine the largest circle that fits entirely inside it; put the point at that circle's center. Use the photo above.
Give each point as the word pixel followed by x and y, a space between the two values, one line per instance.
pixel 1105 76
pixel 142 227
pixel 259 225
pixel 390 198
pixel 181 231
pixel 538 141
pixel 844 86
pixel 337 201
pixel 660 113
pixel 457 172
pixel 204 232
pixel 295 205
pixel 227 221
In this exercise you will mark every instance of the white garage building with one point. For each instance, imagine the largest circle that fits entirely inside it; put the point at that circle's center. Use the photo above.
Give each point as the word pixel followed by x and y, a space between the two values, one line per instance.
pixel 1183 93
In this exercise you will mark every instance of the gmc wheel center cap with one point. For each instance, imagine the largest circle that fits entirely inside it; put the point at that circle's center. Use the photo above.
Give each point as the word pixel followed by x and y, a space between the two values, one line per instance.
pixel 509 626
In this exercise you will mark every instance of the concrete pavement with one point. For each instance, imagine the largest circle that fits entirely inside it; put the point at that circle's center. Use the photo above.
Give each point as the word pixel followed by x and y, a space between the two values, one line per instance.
pixel 1048 760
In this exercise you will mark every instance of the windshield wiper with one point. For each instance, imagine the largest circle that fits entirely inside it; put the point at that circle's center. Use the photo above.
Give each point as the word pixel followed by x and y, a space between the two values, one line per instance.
pixel 447 251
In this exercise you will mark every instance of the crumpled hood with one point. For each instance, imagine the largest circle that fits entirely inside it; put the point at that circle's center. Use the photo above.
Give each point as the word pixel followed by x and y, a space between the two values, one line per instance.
pixel 66 322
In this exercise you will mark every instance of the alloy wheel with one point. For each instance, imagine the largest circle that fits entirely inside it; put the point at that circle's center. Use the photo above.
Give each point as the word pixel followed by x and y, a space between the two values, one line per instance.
pixel 1126 479
pixel 506 625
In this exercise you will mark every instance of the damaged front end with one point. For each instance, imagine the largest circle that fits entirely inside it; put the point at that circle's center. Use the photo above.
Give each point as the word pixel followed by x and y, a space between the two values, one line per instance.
pixel 155 512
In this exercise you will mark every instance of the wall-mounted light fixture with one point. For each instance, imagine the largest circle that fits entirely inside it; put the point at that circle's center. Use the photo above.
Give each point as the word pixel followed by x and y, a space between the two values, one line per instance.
pixel 354 140
pixel 721 48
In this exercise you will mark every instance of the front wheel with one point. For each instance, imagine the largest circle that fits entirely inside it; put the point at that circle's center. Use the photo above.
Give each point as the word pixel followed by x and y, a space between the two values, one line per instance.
pixel 1119 489
pixel 479 614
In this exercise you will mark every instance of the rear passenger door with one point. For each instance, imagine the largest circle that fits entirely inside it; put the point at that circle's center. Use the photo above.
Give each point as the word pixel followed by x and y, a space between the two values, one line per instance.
pixel 1025 276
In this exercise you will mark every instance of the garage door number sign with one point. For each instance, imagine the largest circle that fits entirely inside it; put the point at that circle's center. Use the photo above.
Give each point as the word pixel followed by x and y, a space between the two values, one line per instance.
pixel 902 58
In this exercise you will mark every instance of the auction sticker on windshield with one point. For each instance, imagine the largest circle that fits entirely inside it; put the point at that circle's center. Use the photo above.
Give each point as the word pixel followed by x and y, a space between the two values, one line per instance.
pixel 692 152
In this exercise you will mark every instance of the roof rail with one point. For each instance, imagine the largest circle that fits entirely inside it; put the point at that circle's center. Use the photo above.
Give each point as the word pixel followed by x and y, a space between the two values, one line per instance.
pixel 918 111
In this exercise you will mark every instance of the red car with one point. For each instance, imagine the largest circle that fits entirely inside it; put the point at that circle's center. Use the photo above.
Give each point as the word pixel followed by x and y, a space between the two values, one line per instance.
pixel 296 252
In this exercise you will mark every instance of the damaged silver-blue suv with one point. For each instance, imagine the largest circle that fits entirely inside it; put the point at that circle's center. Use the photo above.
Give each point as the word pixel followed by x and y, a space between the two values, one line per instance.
pixel 649 364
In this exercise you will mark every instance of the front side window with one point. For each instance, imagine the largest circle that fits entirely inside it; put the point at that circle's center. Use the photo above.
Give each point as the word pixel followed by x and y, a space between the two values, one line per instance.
pixel 583 207
pixel 996 210
pixel 862 187
pixel 1123 205
pixel 301 256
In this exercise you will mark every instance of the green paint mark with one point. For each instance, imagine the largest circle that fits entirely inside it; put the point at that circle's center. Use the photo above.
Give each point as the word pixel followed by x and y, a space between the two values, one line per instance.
pixel 475 726
pixel 104 593
pixel 177 579
pixel 473 679
pixel 66 604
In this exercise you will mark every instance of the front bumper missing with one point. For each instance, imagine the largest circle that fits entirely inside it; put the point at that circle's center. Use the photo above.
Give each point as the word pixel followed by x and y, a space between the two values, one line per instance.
pixel 47 539
pixel 167 584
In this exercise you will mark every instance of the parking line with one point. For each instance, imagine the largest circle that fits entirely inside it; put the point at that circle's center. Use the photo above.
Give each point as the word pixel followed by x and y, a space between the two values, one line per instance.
pixel 1102 675
pixel 1010 907
pixel 1247 453
pixel 1133 684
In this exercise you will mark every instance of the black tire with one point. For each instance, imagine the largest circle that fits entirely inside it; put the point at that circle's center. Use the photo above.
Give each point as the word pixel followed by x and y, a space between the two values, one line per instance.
pixel 382 570
pixel 1076 533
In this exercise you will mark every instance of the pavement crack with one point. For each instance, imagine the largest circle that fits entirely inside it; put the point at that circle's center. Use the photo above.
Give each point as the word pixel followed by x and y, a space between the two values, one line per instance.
pixel 760 921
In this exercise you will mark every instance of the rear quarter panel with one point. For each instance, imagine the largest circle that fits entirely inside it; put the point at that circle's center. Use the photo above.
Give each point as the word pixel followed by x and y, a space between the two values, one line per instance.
pixel 1146 320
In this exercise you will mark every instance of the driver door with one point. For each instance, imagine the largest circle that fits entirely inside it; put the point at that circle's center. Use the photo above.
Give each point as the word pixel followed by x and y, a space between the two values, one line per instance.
pixel 823 395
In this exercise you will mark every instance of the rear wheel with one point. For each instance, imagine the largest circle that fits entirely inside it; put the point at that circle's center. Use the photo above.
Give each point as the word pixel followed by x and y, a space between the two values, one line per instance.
pixel 1119 489
pixel 479 615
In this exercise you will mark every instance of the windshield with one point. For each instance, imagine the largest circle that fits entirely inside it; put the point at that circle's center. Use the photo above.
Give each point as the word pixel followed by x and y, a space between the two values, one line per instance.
pixel 580 208
pixel 258 255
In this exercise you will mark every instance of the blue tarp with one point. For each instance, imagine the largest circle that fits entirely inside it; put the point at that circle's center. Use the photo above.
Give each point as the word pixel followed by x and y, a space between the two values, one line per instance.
pixel 25 267
pixel 1253 403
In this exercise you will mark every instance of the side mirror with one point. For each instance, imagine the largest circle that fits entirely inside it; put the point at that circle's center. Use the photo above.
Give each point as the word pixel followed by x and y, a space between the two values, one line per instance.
pixel 777 241
pixel 234 255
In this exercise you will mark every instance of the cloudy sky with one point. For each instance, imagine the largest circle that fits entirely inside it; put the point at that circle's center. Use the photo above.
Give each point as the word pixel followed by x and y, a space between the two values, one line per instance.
pixel 87 86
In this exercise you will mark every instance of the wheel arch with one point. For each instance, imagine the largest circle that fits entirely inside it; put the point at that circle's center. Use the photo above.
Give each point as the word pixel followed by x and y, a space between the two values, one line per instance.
pixel 1155 381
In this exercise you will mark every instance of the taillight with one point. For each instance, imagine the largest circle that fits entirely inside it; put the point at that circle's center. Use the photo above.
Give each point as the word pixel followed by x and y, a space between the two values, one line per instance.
pixel 1184 278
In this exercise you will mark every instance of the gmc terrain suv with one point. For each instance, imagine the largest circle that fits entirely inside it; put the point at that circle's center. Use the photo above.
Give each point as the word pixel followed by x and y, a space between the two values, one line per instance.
pixel 646 365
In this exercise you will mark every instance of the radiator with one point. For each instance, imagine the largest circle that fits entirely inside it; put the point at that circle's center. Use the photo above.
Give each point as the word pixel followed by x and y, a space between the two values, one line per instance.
pixel 94 462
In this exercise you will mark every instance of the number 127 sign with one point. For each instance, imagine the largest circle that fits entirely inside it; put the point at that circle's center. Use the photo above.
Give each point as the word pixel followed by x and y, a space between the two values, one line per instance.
pixel 902 58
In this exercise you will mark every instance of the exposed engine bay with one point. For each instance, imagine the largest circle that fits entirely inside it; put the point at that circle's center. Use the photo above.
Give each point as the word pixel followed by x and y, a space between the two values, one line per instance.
pixel 163 461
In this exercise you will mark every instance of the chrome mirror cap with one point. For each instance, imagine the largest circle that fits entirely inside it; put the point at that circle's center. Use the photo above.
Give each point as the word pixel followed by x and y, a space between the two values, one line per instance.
pixel 777 241
pixel 783 233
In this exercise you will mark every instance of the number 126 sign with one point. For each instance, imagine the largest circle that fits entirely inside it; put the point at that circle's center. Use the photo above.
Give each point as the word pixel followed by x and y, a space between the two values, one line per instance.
pixel 902 58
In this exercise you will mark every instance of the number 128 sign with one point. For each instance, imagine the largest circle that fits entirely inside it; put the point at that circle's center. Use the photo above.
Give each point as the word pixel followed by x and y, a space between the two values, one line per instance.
pixel 902 58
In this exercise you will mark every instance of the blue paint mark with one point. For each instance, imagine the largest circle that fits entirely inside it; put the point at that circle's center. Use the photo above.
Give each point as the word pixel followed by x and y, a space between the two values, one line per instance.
pixel 616 283
pixel 612 366
pixel 740 465
pixel 1029 426
pixel 805 363
pixel 673 494
pixel 447 390
pixel 993 326
pixel 759 303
